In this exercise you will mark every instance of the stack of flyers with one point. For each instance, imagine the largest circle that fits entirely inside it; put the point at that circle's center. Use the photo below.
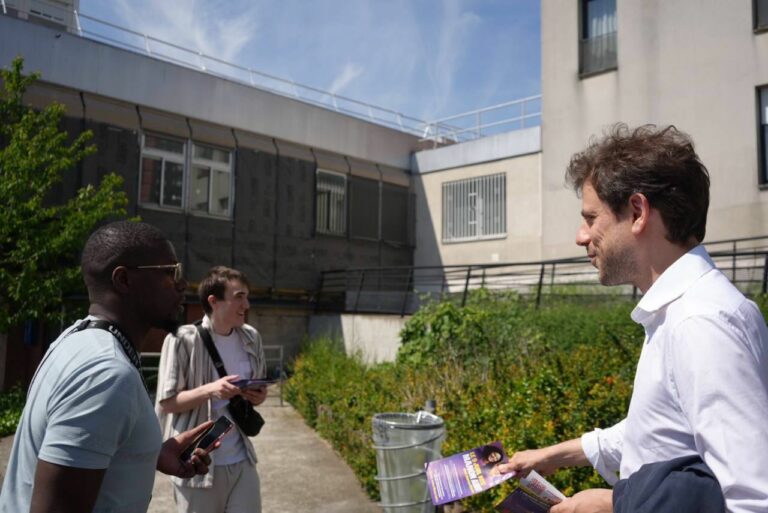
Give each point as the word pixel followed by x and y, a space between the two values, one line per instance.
pixel 253 383
pixel 534 495
pixel 466 473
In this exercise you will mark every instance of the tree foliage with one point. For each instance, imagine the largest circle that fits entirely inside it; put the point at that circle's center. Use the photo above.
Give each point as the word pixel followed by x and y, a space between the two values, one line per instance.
pixel 40 235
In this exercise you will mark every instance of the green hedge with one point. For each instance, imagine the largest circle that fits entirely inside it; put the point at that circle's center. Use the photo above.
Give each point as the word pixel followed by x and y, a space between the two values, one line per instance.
pixel 11 405
pixel 498 369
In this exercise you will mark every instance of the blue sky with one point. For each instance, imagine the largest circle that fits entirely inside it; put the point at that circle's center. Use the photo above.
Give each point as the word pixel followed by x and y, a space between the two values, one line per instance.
pixel 424 58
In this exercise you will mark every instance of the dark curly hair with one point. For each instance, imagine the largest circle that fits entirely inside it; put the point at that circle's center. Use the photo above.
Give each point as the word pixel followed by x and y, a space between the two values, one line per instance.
pixel 215 282
pixel 660 163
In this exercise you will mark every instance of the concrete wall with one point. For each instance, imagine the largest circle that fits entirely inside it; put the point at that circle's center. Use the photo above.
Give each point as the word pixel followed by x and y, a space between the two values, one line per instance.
pixel 375 337
pixel 281 327
pixel 517 155
pixel 685 63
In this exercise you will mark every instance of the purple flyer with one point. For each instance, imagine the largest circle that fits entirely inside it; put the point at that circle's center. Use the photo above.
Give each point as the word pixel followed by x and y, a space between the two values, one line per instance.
pixel 467 473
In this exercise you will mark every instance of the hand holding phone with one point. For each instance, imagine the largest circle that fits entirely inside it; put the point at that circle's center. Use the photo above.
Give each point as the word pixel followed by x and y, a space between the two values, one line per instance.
pixel 208 438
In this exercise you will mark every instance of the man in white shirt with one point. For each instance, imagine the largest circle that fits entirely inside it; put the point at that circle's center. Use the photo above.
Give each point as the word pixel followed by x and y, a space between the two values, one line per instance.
pixel 701 386
pixel 190 391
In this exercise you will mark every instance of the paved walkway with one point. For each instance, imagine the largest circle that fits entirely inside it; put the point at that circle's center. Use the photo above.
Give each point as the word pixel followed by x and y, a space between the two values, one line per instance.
pixel 299 471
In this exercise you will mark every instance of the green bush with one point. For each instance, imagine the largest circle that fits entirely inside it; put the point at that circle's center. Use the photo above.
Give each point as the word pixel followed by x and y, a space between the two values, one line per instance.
pixel 11 403
pixel 498 369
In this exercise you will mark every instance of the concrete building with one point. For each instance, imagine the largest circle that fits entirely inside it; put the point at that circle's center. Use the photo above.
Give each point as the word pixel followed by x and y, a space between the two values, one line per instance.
pixel 234 174
pixel 702 66
pixel 479 201
pixel 286 189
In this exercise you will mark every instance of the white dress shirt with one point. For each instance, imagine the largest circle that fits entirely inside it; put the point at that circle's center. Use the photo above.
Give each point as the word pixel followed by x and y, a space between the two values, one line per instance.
pixel 701 385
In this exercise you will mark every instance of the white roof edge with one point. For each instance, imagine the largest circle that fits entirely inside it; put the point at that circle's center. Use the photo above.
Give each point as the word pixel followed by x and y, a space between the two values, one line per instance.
pixel 487 149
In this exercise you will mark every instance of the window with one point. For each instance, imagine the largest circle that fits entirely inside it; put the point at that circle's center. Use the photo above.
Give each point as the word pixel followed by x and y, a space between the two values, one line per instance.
pixel 763 100
pixel 210 181
pixel 331 194
pixel 597 48
pixel 165 171
pixel 162 171
pixel 761 14
pixel 475 209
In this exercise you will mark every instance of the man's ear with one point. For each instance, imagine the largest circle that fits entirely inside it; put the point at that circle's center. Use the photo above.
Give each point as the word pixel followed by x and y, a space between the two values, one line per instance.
pixel 212 300
pixel 120 279
pixel 640 210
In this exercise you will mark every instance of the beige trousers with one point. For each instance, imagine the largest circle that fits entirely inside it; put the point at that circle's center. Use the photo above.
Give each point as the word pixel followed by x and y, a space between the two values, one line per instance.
pixel 236 489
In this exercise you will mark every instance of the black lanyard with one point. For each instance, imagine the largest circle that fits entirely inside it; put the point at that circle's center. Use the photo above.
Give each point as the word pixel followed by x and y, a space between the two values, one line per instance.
pixel 128 348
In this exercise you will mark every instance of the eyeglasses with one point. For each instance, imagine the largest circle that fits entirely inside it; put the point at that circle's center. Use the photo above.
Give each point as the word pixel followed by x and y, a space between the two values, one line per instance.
pixel 178 270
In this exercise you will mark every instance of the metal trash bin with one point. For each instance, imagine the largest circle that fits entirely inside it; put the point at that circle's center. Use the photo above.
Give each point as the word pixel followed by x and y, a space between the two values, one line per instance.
pixel 404 443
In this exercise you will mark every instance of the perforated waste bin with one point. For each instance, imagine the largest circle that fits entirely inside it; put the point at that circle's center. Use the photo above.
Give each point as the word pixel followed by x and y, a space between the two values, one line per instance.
pixel 404 443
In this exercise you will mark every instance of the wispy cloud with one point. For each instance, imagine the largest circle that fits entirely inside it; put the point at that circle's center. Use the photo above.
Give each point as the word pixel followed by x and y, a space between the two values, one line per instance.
pixel 428 59
pixel 350 72
pixel 456 26
pixel 198 25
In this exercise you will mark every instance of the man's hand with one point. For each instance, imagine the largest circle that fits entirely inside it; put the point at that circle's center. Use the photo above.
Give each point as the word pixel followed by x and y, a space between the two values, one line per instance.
pixel 223 388
pixel 255 396
pixel 547 460
pixel 522 462
pixel 169 461
pixel 597 500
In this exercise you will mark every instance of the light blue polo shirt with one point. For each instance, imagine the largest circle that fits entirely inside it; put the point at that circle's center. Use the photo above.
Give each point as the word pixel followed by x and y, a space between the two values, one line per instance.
pixel 87 408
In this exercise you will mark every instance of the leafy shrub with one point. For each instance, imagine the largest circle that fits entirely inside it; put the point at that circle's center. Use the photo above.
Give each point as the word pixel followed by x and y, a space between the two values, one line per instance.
pixel 11 403
pixel 498 369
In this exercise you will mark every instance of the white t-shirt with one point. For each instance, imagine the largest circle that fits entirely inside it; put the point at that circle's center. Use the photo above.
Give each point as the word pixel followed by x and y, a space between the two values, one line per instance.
pixel 235 361
pixel 87 408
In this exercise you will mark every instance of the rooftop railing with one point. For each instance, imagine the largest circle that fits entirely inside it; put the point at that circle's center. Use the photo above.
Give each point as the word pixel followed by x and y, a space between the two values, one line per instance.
pixel 503 117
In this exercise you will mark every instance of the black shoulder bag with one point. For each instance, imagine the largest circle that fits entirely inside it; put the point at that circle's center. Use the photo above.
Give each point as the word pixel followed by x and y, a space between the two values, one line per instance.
pixel 248 419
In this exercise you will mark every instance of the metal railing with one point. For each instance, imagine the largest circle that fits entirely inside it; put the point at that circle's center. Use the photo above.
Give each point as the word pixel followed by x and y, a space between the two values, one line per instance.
pixel 274 360
pixel 598 54
pixel 401 290
pixel 506 116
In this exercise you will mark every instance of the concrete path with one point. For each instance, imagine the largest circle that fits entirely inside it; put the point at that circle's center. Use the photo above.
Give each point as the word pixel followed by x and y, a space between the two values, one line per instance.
pixel 299 471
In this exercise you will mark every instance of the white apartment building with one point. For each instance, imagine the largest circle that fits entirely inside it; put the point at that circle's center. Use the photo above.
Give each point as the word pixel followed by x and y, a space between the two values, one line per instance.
pixel 700 65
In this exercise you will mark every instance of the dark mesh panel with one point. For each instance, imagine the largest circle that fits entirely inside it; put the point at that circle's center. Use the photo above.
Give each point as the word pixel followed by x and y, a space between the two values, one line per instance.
pixel 394 218
pixel 363 208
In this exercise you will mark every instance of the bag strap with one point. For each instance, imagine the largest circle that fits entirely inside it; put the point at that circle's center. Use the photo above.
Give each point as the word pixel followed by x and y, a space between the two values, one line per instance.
pixel 205 334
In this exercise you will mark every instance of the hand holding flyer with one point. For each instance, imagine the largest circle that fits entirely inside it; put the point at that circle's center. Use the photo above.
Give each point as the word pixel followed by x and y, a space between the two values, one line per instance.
pixel 466 473
pixel 253 383
pixel 474 471
pixel 535 495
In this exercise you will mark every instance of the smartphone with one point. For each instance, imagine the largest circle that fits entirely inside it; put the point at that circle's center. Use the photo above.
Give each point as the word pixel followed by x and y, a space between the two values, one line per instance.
pixel 209 437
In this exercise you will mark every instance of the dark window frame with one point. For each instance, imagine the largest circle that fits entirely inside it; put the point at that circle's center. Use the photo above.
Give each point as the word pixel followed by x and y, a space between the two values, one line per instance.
pixel 757 26
pixel 611 38
pixel 762 136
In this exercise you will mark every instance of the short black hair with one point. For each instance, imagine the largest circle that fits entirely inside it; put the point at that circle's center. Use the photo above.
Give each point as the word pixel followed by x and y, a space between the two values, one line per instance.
pixel 114 244
pixel 215 282
pixel 658 162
